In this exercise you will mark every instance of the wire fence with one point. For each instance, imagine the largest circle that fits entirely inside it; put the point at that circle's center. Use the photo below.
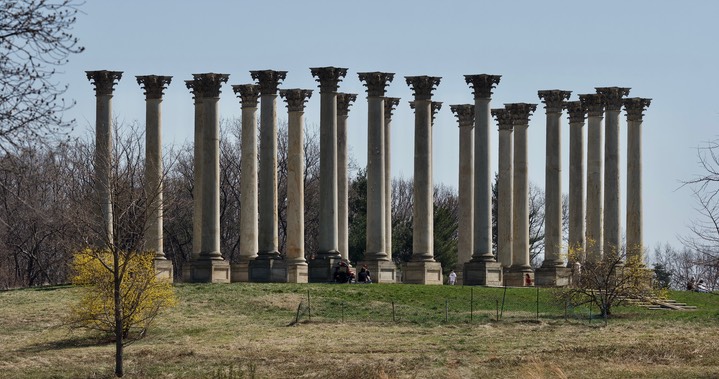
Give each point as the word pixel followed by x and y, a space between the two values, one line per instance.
pixel 469 305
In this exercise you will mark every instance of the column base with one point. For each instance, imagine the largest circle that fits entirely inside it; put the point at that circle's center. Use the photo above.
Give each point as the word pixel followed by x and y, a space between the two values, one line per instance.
pixel 517 277
pixel 240 272
pixel 380 271
pixel 553 276
pixel 206 271
pixel 297 273
pixel 268 271
pixel 422 273
pixel 322 270
pixel 164 269
pixel 482 274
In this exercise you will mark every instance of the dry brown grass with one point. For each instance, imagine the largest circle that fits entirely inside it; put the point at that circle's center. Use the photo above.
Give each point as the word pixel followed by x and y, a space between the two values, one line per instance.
pixel 200 337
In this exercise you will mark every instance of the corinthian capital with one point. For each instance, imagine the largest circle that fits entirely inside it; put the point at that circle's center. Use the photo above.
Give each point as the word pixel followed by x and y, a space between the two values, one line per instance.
pixel 248 94
pixel 390 103
pixel 554 99
pixel 503 117
pixel 154 85
pixel 268 80
pixel 208 85
pixel 344 101
pixel 520 112
pixel 329 77
pixel 104 80
pixel 612 97
pixel 376 82
pixel 464 114
pixel 635 107
pixel 436 106
pixel 296 98
pixel 593 103
pixel 577 111
pixel 422 86
pixel 482 84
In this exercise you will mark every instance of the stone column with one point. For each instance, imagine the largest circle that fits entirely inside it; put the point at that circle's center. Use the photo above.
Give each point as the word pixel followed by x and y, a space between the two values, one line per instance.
pixel 465 117
pixel 577 114
pixel 154 86
pixel 344 101
pixel 595 187
pixel 264 268
pixel 483 269
pixel 210 266
pixel 635 112
pixel 296 263
pixel 612 97
pixel 504 187
pixel 422 269
pixel 321 268
pixel 104 82
pixel 375 257
pixel 249 95
pixel 197 177
pixel 521 264
pixel 390 103
pixel 553 271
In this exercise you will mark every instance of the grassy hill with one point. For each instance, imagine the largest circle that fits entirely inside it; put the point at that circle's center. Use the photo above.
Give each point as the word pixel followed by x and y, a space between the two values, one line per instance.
pixel 366 331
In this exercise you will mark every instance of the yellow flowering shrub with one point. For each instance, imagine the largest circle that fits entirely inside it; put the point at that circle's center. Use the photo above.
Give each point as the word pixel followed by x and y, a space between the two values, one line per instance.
pixel 143 295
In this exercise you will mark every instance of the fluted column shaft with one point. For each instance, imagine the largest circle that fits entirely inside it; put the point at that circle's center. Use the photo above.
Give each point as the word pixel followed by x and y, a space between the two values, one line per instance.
pixel 520 224
pixel 554 103
pixel 389 105
pixel 577 189
pixel 635 240
pixel 329 78
pixel 465 232
pixel 505 187
pixel 612 97
pixel 595 186
pixel 249 95
pixel 198 154
pixel 104 82
pixel 344 101
pixel 154 86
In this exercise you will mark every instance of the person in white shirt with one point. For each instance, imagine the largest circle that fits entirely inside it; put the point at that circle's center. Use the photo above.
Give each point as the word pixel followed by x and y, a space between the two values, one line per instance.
pixel 452 278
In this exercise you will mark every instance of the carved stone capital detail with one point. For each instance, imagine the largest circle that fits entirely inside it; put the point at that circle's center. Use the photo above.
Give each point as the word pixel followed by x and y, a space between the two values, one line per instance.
pixel 154 85
pixel 503 117
pixel 436 106
pixel 577 111
pixel 208 85
pixel 376 82
pixel 296 98
pixel 520 112
pixel 554 99
pixel 613 96
pixel 328 77
pixel 344 101
pixel 464 114
pixel 268 80
pixel 593 103
pixel 482 84
pixel 104 80
pixel 422 85
pixel 390 103
pixel 635 107
pixel 249 94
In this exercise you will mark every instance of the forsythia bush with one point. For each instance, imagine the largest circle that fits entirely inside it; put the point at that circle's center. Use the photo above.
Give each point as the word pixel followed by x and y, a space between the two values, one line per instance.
pixel 143 295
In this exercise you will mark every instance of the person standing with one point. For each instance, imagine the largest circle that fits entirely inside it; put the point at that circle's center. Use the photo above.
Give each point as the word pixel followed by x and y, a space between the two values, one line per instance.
pixel 452 278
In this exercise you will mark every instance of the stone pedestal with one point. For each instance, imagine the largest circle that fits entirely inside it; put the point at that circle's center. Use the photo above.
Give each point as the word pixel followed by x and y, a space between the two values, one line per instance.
pixel 322 269
pixel 380 271
pixel 298 273
pixel 164 269
pixel 240 272
pixel 422 273
pixel 516 277
pixel 206 271
pixel 268 271
pixel 553 276
pixel 482 273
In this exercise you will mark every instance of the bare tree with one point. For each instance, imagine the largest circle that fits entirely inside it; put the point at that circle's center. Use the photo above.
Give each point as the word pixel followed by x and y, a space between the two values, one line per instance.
pixel 35 39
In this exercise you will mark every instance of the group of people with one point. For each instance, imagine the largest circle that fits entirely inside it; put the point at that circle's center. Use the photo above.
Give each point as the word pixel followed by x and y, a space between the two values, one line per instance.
pixel 699 286
pixel 343 274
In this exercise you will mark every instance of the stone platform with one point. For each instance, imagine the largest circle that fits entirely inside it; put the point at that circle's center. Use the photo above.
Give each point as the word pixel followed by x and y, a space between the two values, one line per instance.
pixel 380 271
pixel 206 271
pixel 422 273
pixel 482 274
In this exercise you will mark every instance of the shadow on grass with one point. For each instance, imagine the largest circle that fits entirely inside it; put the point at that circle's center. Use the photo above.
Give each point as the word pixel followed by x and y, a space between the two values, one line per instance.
pixel 66 343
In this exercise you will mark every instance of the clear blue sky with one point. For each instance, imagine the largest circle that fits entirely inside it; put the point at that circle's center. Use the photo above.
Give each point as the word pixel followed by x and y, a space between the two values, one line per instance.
pixel 664 50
